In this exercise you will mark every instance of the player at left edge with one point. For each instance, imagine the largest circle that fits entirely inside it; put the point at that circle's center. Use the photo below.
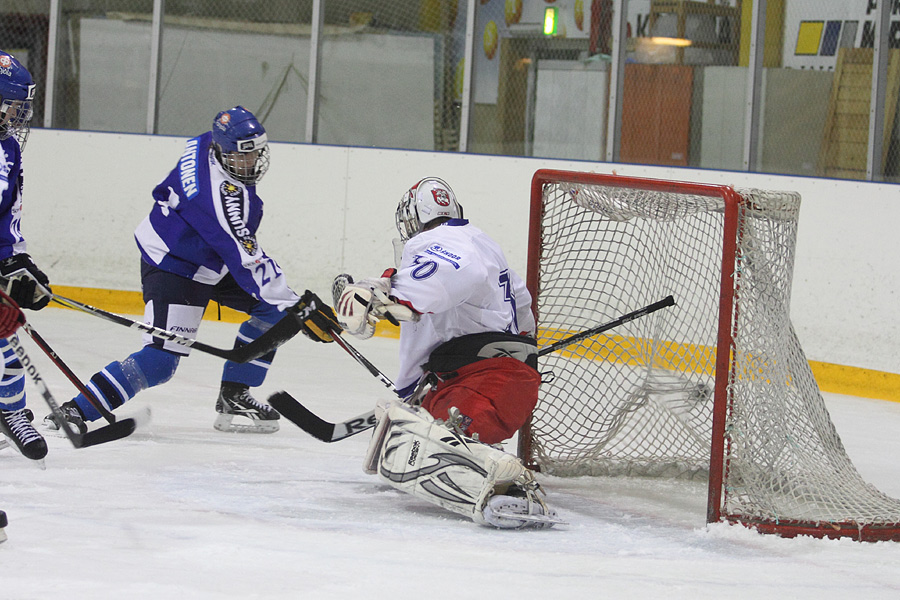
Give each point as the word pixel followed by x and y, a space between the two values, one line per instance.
pixel 19 275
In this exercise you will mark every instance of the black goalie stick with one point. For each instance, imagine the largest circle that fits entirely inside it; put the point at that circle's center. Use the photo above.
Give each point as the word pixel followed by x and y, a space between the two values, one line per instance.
pixel 637 314
pixel 326 431
pixel 319 428
pixel 277 335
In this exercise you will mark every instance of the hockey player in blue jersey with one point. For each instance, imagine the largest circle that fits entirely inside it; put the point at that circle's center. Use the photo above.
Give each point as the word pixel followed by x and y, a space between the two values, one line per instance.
pixel 18 273
pixel 199 244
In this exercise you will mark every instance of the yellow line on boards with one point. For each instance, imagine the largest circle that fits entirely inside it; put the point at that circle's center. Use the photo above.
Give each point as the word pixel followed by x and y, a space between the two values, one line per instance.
pixel 132 303
pixel 856 381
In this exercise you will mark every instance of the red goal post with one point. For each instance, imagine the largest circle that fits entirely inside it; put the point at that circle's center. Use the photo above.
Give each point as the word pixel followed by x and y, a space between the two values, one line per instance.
pixel 715 388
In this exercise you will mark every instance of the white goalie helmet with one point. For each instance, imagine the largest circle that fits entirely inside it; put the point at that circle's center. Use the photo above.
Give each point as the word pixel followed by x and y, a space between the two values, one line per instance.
pixel 429 199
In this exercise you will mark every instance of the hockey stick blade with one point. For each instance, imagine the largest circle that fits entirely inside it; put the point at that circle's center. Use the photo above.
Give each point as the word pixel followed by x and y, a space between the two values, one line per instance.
pixel 113 431
pixel 314 425
pixel 108 433
pixel 278 334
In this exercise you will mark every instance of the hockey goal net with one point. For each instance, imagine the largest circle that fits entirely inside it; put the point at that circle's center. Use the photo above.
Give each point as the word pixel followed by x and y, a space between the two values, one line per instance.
pixel 716 387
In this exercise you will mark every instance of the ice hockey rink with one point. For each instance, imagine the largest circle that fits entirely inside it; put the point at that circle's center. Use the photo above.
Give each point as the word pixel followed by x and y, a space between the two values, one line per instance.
pixel 178 510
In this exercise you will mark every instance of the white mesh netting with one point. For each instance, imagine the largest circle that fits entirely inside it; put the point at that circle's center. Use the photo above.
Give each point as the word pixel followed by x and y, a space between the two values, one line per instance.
pixel 640 400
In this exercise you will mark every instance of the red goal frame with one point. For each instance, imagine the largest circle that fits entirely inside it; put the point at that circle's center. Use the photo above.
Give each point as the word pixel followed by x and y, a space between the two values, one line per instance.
pixel 728 283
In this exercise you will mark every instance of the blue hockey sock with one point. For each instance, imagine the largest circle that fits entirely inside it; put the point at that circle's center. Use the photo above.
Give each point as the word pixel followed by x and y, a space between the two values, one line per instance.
pixel 118 382
pixel 12 382
pixel 252 373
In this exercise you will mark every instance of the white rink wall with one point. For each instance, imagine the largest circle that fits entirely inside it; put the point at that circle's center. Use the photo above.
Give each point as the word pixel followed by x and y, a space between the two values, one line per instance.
pixel 331 210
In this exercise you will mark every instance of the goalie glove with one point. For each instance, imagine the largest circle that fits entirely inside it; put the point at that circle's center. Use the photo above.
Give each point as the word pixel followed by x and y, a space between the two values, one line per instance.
pixel 317 319
pixel 27 285
pixel 356 325
pixel 354 311
pixel 362 304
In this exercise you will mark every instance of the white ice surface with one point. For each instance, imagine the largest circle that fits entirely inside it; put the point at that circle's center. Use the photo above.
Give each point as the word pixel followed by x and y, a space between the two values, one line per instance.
pixel 179 510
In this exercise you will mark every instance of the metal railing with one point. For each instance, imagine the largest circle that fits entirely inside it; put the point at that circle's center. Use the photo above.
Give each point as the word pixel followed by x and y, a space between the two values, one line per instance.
pixel 800 87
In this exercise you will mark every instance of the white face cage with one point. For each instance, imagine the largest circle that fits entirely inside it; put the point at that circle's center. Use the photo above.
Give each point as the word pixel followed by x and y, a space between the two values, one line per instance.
pixel 15 120
pixel 405 218
pixel 246 167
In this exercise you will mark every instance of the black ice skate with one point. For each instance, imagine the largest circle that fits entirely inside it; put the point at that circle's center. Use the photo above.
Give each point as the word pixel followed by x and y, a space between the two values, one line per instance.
pixel 28 415
pixel 73 417
pixel 17 427
pixel 235 401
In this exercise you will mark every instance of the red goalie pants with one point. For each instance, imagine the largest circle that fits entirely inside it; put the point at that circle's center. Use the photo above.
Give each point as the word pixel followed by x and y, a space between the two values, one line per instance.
pixel 495 397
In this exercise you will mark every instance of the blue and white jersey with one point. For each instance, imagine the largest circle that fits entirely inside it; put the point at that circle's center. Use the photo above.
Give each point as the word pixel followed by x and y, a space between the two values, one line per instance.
pixel 458 278
pixel 203 226
pixel 11 240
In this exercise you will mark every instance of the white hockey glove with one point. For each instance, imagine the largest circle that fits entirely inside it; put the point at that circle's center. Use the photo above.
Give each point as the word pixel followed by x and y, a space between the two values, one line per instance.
pixel 354 311
pixel 360 305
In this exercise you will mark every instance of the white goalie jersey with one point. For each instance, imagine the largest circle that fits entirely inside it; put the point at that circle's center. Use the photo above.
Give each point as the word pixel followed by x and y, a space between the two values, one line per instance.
pixel 458 278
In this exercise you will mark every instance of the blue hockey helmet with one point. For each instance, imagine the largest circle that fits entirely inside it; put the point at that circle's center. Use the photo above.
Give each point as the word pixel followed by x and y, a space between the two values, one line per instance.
pixel 16 96
pixel 241 145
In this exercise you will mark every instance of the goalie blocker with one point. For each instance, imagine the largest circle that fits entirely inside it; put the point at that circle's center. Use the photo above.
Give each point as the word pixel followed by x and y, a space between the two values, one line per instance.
pixel 433 461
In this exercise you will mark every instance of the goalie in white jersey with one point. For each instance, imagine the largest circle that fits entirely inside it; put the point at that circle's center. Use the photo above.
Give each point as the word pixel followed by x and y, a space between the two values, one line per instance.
pixel 468 364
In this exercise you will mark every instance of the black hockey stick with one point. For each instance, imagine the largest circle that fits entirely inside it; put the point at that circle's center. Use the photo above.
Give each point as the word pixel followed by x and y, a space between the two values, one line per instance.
pixel 650 308
pixel 107 433
pixel 357 355
pixel 70 375
pixel 114 431
pixel 321 429
pixel 277 335
pixel 316 426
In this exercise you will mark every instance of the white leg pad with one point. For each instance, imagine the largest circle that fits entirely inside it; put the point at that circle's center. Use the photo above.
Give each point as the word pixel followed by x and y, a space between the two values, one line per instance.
pixel 373 454
pixel 415 454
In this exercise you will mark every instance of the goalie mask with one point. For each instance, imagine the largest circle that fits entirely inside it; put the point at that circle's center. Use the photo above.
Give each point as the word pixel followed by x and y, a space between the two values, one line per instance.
pixel 241 145
pixel 16 96
pixel 424 202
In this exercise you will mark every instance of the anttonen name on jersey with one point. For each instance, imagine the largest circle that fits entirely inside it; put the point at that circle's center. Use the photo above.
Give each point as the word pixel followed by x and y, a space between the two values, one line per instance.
pixel 187 168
